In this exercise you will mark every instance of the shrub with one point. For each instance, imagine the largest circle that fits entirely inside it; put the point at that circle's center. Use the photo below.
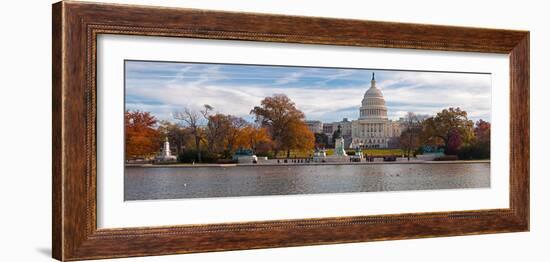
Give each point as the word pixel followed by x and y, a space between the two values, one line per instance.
pixel 226 161
pixel 446 158
pixel 419 151
pixel 190 156
pixel 266 154
pixel 475 151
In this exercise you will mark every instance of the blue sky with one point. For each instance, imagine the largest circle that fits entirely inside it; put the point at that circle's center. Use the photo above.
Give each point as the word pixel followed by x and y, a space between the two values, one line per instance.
pixel 326 94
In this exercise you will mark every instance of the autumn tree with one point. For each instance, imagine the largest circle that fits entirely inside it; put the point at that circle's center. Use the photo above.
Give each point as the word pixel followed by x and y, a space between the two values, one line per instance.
pixel 195 120
pixel 255 137
pixel 222 133
pixel 448 124
pixel 454 143
pixel 285 124
pixel 236 124
pixel 176 134
pixel 410 137
pixel 480 147
pixel 216 132
pixel 482 144
pixel 235 128
pixel 482 131
pixel 297 137
pixel 142 139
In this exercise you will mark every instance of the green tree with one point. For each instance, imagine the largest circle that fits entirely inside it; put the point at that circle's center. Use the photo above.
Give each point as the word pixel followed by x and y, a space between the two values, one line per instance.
pixel 321 140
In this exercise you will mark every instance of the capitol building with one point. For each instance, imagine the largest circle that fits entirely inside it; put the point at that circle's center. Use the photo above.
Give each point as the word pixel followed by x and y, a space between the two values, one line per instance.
pixel 373 129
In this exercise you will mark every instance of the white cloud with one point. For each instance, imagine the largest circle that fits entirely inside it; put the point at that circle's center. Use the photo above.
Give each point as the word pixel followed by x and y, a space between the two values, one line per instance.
pixel 290 78
pixel 239 100
pixel 420 92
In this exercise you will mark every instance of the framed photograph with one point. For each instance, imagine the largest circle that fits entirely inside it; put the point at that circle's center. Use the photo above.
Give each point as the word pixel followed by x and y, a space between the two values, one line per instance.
pixel 182 130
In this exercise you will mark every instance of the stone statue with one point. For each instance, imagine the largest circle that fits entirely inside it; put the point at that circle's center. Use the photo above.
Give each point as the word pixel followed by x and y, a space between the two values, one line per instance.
pixel 339 143
pixel 166 150
pixel 165 154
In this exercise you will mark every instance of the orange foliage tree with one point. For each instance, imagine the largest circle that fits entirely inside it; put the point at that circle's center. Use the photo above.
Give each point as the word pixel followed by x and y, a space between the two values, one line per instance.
pixel 223 132
pixel 285 124
pixel 255 138
pixel 297 137
pixel 142 139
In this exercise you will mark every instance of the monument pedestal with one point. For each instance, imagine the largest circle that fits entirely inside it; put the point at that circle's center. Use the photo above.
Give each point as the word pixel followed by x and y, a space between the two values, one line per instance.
pixel 339 147
pixel 337 159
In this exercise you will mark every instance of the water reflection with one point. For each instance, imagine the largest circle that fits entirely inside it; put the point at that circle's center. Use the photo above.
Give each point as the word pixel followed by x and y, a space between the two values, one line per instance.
pixel 202 182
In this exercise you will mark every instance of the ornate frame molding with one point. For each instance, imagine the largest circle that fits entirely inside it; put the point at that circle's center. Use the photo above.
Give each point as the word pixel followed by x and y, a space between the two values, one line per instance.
pixel 76 26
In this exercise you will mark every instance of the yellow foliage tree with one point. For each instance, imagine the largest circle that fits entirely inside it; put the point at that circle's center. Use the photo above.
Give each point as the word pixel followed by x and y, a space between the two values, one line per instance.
pixel 285 123
pixel 252 137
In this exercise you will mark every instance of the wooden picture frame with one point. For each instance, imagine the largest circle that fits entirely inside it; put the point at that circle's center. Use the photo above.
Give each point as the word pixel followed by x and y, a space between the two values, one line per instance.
pixel 76 26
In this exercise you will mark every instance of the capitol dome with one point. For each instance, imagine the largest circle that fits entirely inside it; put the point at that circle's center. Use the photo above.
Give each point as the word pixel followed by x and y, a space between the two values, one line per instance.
pixel 373 104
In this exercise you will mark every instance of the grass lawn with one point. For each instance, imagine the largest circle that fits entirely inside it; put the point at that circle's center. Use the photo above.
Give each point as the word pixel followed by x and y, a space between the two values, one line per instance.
pixel 383 152
pixel 374 152
pixel 295 153
pixel 370 152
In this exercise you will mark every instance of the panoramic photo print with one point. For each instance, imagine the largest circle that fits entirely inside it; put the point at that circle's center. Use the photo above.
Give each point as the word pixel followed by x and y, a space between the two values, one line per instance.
pixel 203 130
